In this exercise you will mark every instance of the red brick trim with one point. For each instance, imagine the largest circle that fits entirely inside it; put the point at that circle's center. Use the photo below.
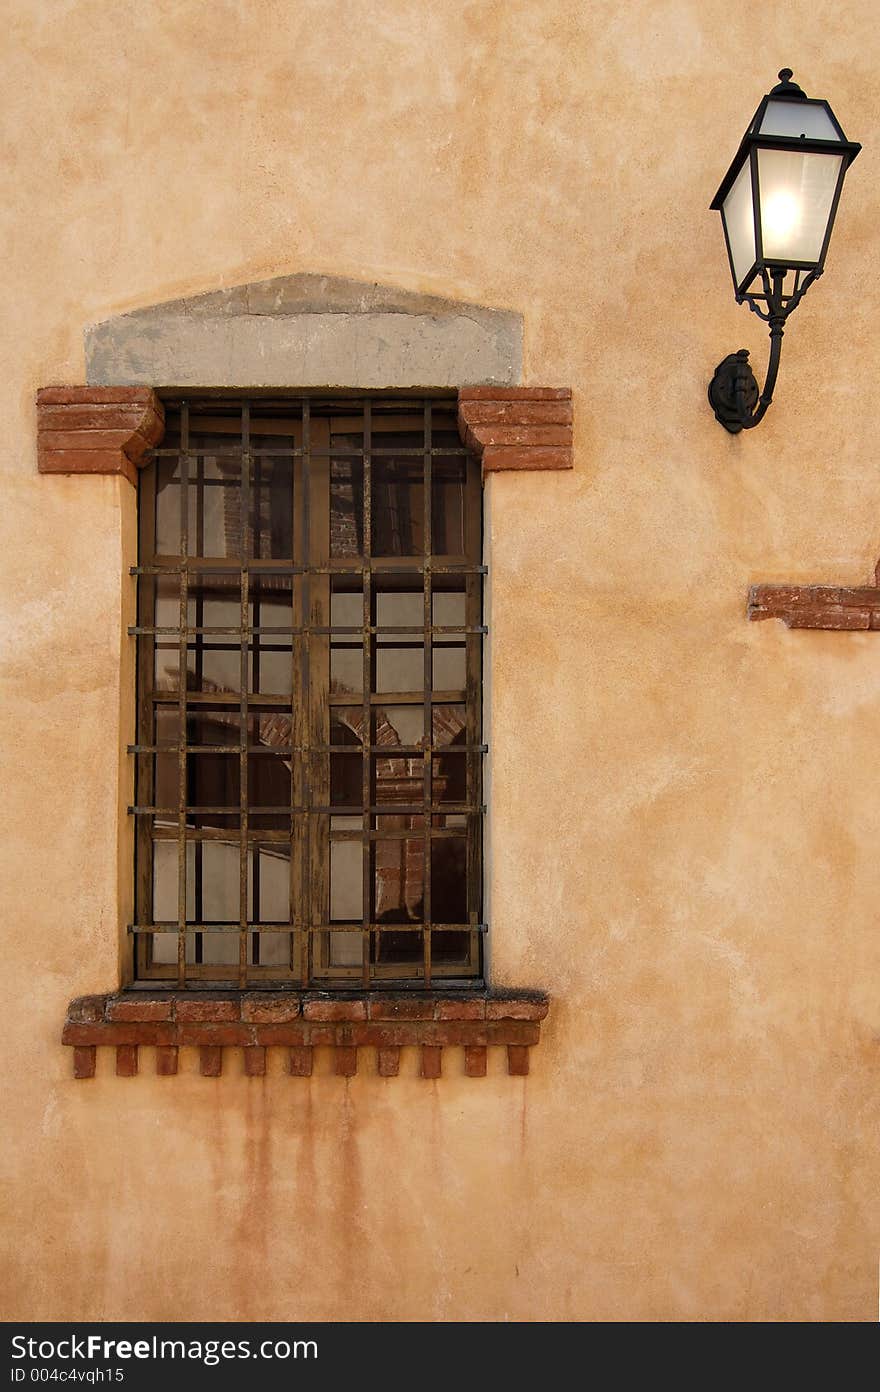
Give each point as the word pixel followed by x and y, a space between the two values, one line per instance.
pixel 216 1022
pixel 517 427
pixel 840 608
pixel 97 430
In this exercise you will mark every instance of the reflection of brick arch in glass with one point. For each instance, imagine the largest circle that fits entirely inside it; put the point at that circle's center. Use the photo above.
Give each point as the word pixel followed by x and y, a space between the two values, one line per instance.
pixel 400 864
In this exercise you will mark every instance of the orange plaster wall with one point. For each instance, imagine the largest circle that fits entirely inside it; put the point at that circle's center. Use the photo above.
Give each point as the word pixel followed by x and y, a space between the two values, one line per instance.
pixel 682 833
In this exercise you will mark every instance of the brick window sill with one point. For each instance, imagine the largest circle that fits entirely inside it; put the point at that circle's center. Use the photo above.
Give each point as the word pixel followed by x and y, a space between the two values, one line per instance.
pixel 217 1022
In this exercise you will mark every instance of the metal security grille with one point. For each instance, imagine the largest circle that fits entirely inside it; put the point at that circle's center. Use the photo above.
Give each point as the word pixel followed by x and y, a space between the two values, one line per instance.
pixel 309 802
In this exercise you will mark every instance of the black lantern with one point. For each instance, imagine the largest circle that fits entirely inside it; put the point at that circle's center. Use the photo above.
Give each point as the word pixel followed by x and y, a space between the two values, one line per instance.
pixel 777 203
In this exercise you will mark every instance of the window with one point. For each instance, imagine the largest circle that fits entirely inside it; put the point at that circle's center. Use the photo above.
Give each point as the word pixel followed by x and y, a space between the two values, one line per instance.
pixel 309 801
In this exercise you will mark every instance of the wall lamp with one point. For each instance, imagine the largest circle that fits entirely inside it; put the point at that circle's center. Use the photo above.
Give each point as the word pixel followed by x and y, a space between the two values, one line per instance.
pixel 777 203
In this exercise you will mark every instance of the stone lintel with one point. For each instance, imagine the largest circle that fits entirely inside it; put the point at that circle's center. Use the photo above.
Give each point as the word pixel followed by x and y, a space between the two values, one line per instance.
pixel 307 331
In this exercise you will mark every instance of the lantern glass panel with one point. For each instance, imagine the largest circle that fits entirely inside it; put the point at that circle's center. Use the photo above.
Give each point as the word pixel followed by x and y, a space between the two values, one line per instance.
pixel 796 191
pixel 740 223
pixel 797 118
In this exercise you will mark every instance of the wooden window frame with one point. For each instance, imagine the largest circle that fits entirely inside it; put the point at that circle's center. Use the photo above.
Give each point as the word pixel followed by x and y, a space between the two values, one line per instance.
pixel 312 569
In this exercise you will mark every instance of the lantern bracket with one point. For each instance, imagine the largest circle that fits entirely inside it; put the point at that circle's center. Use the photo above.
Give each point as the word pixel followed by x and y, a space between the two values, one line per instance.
pixel 733 391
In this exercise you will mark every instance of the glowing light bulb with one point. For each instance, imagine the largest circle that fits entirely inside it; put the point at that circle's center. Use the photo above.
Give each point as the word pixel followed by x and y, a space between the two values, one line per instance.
pixel 781 215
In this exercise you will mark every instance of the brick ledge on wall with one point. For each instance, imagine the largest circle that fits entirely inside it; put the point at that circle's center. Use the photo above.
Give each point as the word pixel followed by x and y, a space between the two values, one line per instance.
pixel 217 1021
pixel 839 608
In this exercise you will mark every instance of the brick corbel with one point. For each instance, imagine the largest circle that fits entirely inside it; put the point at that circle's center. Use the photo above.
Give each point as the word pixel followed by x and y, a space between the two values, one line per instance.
pixel 517 427
pixel 97 430
pixel 832 607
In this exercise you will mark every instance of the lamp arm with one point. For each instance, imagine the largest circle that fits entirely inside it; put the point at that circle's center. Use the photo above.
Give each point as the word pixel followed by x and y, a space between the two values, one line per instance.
pixel 733 391
pixel 749 418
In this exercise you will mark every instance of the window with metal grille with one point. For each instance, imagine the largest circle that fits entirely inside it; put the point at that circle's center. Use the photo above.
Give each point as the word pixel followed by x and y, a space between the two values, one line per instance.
pixel 309 802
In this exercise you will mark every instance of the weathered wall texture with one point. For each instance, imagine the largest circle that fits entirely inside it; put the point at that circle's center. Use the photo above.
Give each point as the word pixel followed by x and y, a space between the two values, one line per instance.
pixel 683 841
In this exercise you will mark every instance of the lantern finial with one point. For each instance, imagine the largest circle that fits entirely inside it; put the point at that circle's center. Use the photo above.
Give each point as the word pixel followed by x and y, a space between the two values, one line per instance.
pixel 785 87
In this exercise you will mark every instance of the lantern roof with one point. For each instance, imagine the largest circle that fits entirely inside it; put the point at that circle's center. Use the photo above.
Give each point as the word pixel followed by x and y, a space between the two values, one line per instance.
pixel 788 119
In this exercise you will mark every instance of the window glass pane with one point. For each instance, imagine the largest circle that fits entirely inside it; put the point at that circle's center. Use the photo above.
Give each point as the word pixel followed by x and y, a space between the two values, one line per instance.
pixel 449 654
pixel 167 541
pixel 214 519
pixel 399 780
pixel 346 770
pixel 398 508
pixel 269 786
pixel 213 781
pixel 449 724
pixel 271 949
pixel 271 896
pixel 346 507
pixel 166 615
pixel 398 877
pixel 270 608
pixel 346 881
pixel 272 504
pixel 448 477
pixel 219 881
pixel 449 879
pixel 399 725
pixel 346 949
pixel 164 948
pixel 398 948
pixel 449 665
pixel 449 783
pixel 400 658
pixel 165 871
pixel 219 949
pixel 270 729
pixel 449 948
pixel 214 659
pixel 347 649
pixel 272 670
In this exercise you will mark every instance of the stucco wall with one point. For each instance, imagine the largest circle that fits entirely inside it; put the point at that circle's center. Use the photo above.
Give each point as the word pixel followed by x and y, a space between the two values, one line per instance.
pixel 683 831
